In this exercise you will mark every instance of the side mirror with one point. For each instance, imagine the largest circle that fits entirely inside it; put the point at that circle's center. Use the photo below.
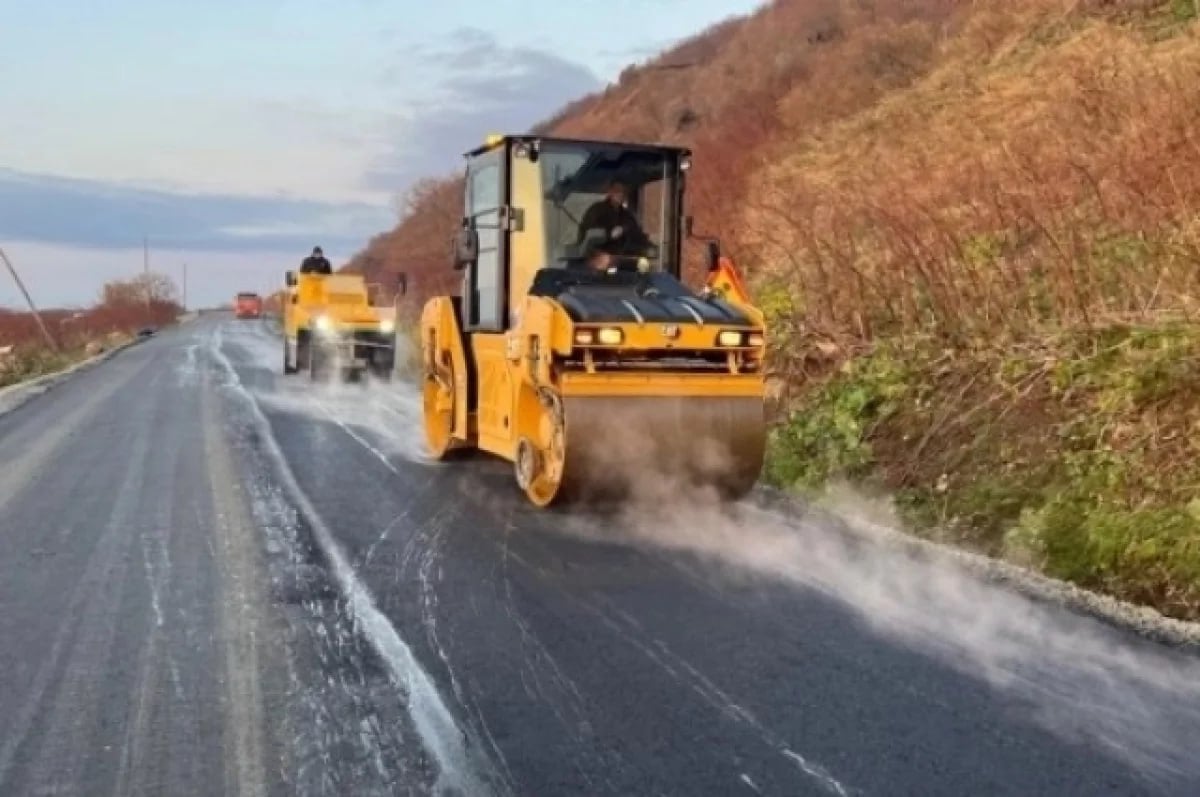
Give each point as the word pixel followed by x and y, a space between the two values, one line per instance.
pixel 402 283
pixel 712 255
pixel 290 278
pixel 466 248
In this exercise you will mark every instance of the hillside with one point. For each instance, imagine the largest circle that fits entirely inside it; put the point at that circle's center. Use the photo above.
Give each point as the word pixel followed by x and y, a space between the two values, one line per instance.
pixel 719 92
pixel 976 230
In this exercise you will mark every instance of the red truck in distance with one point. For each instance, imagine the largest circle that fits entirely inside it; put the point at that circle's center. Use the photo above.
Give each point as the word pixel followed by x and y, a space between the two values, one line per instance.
pixel 248 305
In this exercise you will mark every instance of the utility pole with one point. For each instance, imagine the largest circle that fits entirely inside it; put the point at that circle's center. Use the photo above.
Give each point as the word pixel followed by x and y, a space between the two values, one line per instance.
pixel 29 300
pixel 146 274
pixel 185 287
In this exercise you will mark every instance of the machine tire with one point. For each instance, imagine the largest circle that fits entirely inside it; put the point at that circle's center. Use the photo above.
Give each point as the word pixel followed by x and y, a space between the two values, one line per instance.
pixel 538 464
pixel 287 357
pixel 383 368
pixel 438 413
pixel 303 352
pixel 318 368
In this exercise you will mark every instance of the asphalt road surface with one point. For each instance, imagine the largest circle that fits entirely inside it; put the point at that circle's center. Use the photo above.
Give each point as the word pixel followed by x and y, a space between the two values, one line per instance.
pixel 218 580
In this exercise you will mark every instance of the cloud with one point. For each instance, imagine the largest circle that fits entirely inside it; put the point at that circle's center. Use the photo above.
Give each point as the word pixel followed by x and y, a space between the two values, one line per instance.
pixel 109 215
pixel 473 85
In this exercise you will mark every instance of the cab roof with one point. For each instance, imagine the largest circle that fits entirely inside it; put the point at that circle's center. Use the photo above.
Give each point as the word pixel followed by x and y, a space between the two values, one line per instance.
pixel 497 139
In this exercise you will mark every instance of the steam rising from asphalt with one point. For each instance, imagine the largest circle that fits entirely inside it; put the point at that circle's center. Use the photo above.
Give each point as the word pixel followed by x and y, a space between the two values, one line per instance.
pixel 389 412
pixel 1088 682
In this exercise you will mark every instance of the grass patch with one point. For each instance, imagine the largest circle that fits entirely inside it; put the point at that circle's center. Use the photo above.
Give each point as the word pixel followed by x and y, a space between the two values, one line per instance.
pixel 1075 455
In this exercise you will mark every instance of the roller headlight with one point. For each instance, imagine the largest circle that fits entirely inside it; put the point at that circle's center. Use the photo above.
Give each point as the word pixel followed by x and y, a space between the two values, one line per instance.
pixel 729 337
pixel 387 326
pixel 610 336
pixel 324 323
pixel 605 336
pixel 755 339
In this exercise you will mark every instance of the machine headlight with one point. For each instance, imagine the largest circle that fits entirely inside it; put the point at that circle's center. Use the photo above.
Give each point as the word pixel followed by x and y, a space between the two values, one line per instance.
pixel 387 326
pixel 729 337
pixel 324 323
pixel 755 339
pixel 610 336
pixel 606 336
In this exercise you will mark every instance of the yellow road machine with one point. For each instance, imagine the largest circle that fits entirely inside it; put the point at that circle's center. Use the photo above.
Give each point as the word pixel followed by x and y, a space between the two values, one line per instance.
pixel 333 323
pixel 574 350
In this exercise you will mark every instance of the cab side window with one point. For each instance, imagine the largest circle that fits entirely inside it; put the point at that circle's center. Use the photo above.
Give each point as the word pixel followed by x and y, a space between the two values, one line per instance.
pixel 484 200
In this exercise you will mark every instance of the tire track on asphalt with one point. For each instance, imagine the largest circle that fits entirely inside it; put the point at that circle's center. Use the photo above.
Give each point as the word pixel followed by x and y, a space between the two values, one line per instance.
pixel 20 468
pixel 68 704
pixel 625 627
pixel 463 766
pixel 245 641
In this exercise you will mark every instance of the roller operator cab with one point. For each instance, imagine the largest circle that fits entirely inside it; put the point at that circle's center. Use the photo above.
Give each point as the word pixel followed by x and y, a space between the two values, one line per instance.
pixel 335 323
pixel 574 350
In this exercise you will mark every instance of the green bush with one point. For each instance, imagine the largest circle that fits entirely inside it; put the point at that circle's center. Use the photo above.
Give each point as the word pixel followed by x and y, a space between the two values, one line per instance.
pixel 1074 456
pixel 827 437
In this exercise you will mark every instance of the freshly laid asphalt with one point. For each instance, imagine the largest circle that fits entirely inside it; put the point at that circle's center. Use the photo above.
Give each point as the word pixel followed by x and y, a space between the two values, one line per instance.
pixel 215 579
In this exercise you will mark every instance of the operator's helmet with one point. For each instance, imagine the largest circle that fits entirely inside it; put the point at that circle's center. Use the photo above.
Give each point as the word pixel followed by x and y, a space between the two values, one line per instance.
pixel 317 251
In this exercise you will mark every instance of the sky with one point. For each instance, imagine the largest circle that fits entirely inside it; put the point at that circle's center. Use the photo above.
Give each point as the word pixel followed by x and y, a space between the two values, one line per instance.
pixel 235 136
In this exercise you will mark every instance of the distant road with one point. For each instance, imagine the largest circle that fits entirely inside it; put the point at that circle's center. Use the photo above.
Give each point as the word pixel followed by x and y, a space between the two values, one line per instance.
pixel 216 581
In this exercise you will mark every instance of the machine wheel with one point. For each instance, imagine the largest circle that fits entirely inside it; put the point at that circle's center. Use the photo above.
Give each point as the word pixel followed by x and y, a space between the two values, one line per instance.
pixel 287 358
pixel 383 367
pixel 318 367
pixel 538 463
pixel 530 465
pixel 437 394
pixel 707 442
pixel 303 353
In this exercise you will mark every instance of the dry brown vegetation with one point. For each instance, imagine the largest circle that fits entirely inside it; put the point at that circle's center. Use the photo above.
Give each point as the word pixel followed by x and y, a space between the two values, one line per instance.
pixel 719 92
pixel 1045 171
pixel 123 308
pixel 909 165
pixel 975 228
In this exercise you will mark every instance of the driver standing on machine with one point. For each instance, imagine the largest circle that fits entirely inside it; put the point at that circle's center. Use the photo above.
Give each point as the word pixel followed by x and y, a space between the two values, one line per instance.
pixel 621 228
pixel 316 263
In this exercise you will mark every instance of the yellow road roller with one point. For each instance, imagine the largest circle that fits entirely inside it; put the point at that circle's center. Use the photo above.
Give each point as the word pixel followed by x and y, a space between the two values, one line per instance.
pixel 574 349
pixel 334 323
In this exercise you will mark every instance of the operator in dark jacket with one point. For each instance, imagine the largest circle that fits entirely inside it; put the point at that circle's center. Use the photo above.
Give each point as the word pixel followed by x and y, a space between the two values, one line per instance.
pixel 623 234
pixel 316 263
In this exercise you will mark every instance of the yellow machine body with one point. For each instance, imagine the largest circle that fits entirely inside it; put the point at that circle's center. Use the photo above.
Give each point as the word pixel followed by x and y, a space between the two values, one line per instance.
pixel 593 382
pixel 331 321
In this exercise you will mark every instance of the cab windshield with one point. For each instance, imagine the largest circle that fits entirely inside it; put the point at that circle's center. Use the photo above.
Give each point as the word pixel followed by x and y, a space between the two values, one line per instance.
pixel 585 213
